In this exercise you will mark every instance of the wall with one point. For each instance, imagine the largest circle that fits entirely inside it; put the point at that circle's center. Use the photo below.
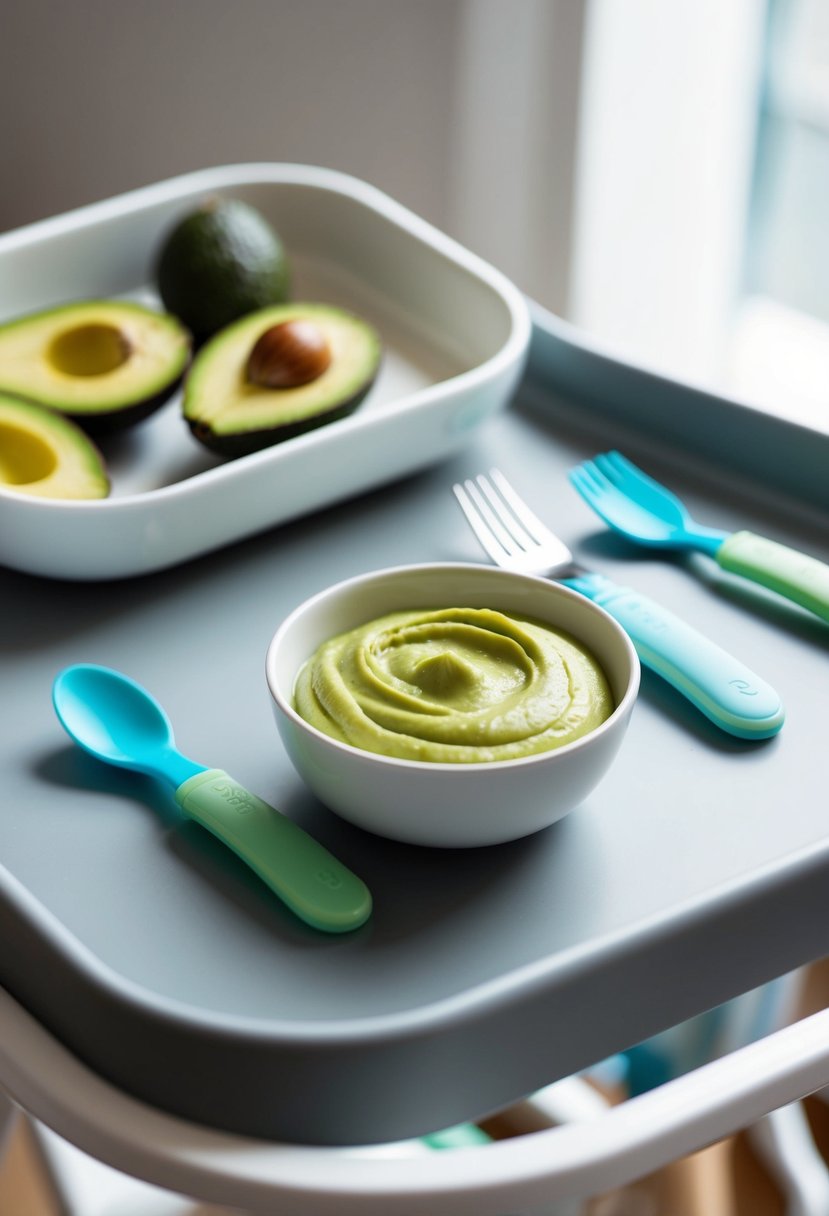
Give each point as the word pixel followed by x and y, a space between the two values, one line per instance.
pixel 99 96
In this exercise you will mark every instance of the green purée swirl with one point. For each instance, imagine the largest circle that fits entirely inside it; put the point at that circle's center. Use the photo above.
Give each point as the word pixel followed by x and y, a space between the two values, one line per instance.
pixel 458 685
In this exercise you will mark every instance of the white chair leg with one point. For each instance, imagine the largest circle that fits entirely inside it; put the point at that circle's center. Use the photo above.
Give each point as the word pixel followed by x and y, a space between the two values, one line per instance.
pixel 8 1118
pixel 783 1141
pixel 87 1187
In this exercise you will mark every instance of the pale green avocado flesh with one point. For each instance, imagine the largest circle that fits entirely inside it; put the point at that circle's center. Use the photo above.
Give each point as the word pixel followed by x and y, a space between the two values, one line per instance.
pixel 104 363
pixel 45 455
pixel 233 416
pixel 454 685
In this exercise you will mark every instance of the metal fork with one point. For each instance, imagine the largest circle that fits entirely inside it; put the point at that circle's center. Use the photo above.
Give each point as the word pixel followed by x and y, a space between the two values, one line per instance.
pixel 512 535
pixel 720 686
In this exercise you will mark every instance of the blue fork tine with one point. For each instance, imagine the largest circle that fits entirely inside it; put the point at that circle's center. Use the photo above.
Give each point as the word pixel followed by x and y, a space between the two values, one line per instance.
pixel 622 472
pixel 594 487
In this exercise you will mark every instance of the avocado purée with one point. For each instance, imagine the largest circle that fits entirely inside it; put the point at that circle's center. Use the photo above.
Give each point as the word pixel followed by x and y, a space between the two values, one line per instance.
pixel 458 685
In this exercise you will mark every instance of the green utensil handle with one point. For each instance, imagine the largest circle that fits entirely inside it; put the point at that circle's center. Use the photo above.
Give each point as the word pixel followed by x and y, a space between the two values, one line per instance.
pixel 799 577
pixel 314 885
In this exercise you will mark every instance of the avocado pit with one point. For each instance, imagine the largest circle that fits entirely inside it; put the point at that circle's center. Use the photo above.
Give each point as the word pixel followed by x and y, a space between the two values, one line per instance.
pixel 89 350
pixel 288 355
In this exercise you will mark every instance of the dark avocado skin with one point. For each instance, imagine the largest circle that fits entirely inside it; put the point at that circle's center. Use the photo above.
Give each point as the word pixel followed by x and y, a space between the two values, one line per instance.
pixel 218 264
pixel 113 421
pixel 244 443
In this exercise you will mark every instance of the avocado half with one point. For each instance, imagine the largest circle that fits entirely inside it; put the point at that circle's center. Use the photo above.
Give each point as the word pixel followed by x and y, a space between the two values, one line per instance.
pixel 43 454
pixel 106 364
pixel 232 414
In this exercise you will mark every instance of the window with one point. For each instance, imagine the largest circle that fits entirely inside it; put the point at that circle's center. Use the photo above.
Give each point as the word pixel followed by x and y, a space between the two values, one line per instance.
pixel 779 354
pixel 702 225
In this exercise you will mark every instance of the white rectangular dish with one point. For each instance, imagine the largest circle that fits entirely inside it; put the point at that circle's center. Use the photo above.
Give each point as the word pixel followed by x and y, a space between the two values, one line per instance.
pixel 455 334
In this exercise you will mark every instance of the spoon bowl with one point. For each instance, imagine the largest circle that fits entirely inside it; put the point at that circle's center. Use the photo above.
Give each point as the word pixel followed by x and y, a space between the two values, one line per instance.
pixel 113 718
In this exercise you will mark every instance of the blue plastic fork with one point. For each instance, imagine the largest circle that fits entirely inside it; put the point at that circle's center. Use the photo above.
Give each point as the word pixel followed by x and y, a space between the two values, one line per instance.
pixel 644 511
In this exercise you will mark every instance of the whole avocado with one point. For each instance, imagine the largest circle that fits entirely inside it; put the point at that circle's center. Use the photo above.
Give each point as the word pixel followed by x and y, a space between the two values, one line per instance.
pixel 219 263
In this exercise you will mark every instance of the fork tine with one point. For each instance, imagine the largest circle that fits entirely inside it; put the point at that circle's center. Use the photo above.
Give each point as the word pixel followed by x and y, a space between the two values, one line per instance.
pixel 617 470
pixel 628 473
pixel 604 474
pixel 613 470
pixel 508 530
pixel 500 512
pixel 526 532
pixel 626 477
pixel 509 534
pixel 538 532
pixel 627 468
pixel 479 526
pixel 617 461
pixel 588 480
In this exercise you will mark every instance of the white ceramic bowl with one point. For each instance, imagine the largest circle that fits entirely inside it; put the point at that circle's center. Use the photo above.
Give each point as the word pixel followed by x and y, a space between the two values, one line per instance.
pixel 455 335
pixel 449 805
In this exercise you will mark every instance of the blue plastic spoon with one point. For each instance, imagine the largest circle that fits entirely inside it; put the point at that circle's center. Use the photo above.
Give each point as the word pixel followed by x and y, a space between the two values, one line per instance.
pixel 116 720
